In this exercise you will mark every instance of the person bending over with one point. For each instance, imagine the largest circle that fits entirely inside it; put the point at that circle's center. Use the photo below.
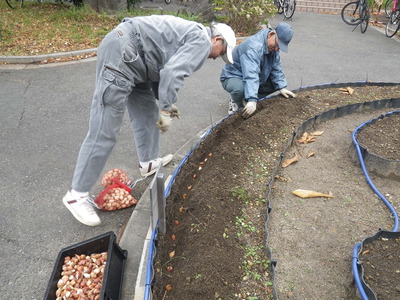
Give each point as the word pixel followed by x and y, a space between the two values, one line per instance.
pixel 142 60
pixel 256 70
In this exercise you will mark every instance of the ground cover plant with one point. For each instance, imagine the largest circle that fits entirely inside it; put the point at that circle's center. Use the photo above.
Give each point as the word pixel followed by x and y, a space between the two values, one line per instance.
pixel 55 27
pixel 215 246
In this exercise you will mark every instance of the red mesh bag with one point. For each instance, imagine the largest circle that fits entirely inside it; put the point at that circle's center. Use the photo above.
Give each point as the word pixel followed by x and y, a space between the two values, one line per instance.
pixel 116 194
pixel 114 175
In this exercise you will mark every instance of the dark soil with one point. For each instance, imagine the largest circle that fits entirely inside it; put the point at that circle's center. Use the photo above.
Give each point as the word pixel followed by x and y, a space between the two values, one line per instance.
pixel 382 138
pixel 380 260
pixel 216 245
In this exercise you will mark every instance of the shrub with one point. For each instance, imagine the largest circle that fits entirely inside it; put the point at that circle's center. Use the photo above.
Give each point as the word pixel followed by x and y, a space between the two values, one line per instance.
pixel 245 16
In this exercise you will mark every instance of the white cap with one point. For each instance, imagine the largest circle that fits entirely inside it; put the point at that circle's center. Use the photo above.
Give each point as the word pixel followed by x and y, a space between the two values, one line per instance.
pixel 230 39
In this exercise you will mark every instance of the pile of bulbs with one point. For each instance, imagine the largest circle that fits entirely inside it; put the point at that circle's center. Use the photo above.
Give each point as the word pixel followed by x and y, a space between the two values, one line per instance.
pixel 114 175
pixel 117 192
pixel 81 277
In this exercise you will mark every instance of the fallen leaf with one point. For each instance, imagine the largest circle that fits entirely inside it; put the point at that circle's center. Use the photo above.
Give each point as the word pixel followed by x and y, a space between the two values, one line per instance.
pixel 307 138
pixel 303 138
pixel 365 252
pixel 171 254
pixel 310 194
pixel 317 133
pixel 289 161
pixel 350 91
pixel 310 154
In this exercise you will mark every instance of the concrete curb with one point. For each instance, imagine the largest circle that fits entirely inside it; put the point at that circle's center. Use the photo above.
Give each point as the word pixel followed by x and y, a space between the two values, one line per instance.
pixel 37 58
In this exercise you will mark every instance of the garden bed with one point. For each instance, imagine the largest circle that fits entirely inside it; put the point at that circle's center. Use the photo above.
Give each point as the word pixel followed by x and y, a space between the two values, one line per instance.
pixel 216 245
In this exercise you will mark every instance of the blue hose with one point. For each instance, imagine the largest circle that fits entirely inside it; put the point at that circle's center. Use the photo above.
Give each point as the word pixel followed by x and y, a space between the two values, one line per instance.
pixel 357 247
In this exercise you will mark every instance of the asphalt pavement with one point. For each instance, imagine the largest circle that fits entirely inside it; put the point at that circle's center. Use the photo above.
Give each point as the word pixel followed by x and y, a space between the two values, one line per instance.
pixel 44 118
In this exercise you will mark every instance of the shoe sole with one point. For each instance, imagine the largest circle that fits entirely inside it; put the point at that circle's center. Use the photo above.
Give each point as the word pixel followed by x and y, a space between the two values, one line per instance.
pixel 76 216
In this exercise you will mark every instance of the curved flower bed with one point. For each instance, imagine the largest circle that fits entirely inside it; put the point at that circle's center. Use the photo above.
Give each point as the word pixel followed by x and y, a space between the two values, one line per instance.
pixel 218 203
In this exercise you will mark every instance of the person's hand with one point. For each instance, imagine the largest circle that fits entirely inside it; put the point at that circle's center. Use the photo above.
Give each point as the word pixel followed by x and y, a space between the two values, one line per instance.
pixel 175 112
pixel 249 109
pixel 286 93
pixel 164 121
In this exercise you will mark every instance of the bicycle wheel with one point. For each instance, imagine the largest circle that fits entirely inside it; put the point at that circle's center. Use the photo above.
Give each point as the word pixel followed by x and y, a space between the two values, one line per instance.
pixel 289 6
pixel 15 3
pixel 393 23
pixel 278 6
pixel 388 8
pixel 364 15
pixel 350 13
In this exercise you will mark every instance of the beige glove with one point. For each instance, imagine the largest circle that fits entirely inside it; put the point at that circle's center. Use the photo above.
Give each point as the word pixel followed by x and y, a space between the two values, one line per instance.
pixel 164 121
pixel 175 112
pixel 286 93
pixel 249 109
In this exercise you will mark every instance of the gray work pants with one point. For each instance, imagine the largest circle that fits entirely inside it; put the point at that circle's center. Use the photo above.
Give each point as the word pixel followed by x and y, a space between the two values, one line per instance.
pixel 121 82
pixel 235 87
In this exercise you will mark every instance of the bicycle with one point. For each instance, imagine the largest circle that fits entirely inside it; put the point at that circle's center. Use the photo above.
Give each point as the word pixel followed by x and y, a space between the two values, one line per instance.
pixel 393 24
pixel 285 7
pixel 18 3
pixel 388 8
pixel 356 13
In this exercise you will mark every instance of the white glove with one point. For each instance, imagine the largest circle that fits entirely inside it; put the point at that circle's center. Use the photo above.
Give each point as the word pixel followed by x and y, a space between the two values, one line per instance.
pixel 249 109
pixel 175 112
pixel 286 93
pixel 164 121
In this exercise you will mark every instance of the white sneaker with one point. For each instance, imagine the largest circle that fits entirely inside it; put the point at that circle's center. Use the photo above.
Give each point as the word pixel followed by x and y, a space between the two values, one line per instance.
pixel 149 168
pixel 82 209
pixel 232 106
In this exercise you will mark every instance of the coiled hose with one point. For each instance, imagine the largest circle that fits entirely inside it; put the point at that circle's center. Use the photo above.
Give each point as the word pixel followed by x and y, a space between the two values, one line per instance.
pixel 387 203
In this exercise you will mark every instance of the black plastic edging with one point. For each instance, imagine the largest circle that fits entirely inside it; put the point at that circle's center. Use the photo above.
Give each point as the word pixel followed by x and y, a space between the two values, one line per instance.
pixel 325 116
pixel 365 292
pixel 375 163
pixel 308 124
pixel 368 293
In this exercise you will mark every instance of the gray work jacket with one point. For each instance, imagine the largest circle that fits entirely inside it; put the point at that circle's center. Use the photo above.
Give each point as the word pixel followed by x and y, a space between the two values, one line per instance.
pixel 173 48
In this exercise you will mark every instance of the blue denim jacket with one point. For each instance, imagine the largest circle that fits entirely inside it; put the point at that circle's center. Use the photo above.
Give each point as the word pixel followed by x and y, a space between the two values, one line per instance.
pixel 255 65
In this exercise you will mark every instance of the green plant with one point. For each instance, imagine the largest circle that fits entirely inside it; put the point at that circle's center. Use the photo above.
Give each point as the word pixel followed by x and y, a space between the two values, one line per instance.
pixel 240 194
pixel 245 16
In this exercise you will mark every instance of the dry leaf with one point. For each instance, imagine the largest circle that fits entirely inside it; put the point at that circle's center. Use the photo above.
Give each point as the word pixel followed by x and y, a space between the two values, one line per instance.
pixel 350 91
pixel 310 154
pixel 171 254
pixel 306 138
pixel 310 194
pixel 317 133
pixel 289 161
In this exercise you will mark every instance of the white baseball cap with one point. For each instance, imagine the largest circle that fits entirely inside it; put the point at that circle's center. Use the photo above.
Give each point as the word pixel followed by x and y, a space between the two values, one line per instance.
pixel 230 39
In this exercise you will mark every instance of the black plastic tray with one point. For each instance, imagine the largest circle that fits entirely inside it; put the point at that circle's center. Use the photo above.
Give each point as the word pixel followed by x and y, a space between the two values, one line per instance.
pixel 112 280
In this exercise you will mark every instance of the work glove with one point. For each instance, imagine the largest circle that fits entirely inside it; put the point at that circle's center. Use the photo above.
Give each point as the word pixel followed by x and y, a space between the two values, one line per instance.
pixel 164 121
pixel 286 93
pixel 249 109
pixel 175 112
